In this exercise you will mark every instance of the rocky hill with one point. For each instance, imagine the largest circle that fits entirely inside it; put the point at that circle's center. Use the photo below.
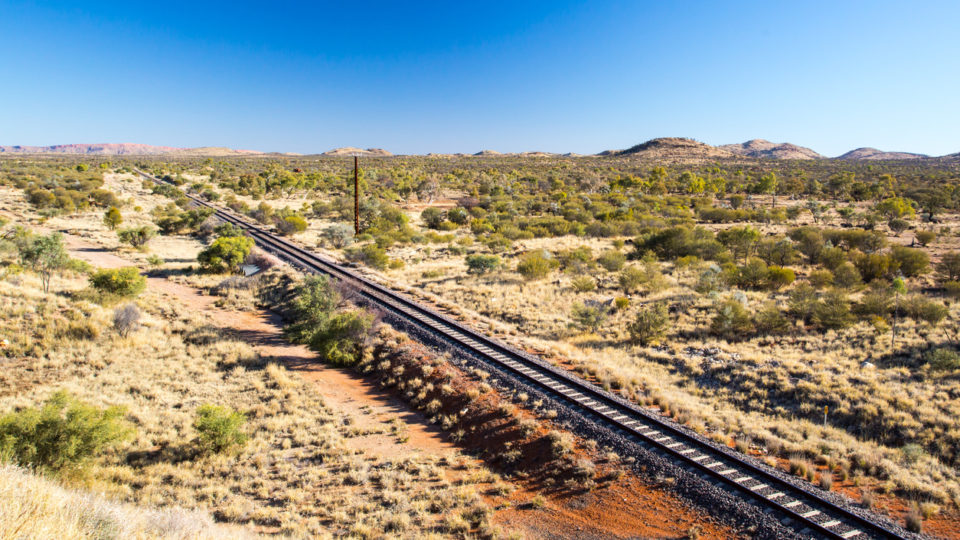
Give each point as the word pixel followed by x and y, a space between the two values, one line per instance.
pixel 672 149
pixel 872 154
pixel 352 151
pixel 763 149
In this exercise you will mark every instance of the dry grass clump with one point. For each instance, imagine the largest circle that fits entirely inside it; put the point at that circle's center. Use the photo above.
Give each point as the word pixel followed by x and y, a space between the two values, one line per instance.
pixel 34 507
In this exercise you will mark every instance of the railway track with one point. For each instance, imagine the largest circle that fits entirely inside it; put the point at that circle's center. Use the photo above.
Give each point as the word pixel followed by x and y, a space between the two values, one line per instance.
pixel 801 507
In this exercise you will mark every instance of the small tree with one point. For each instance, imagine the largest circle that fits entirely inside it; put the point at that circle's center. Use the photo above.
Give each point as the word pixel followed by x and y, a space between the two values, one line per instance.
pixel 219 428
pixel 225 254
pixel 650 324
pixel 46 255
pixel 137 237
pixel 112 218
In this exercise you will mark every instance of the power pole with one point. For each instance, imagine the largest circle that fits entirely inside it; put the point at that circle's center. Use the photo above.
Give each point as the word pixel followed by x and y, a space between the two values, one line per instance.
pixel 356 195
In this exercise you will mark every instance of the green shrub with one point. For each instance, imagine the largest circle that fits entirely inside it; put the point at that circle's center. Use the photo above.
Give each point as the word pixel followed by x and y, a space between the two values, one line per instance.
pixel 62 434
pixel 536 264
pixel 112 218
pixel 926 310
pixel 589 317
pixel 124 282
pixel 770 320
pixel 219 428
pixel 482 264
pixel 137 237
pixel 943 359
pixel 820 278
pixel 583 284
pixel 612 260
pixel 732 320
pixel 925 237
pixel 833 311
pixel 371 255
pixel 912 262
pixel 846 276
pixel 225 254
pixel 341 338
pixel 291 225
pixel 650 324
pixel 621 303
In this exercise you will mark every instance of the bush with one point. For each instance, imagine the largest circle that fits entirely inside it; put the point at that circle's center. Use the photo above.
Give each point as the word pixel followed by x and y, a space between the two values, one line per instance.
pixel 225 254
pixel 846 276
pixel 371 255
pixel 433 217
pixel 912 262
pixel 949 266
pixel 612 260
pixel 126 319
pixel 291 225
pixel 589 317
pixel 62 434
pixel 482 264
pixel 583 284
pixel 339 235
pixel 732 320
pixel 138 236
pixel 926 310
pixel 124 282
pixel 536 264
pixel 650 324
pixel 821 278
pixel 833 311
pixel 341 338
pixel 925 237
pixel 112 218
pixel 219 428
pixel 771 321
pixel 943 359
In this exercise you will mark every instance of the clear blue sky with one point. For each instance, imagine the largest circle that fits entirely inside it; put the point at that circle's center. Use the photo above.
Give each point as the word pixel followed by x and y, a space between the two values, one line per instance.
pixel 510 76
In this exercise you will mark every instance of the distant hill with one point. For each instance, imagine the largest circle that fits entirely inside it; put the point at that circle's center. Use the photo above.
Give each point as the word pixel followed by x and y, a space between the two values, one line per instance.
pixel 351 151
pixel 672 149
pixel 488 153
pixel 872 154
pixel 763 149
pixel 122 149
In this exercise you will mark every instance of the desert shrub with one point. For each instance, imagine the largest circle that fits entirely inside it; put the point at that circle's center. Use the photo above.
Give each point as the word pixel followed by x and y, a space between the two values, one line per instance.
pixel 371 255
pixel 949 266
pixel 911 262
pixel 339 235
pixel 810 242
pixel 832 311
pixel 898 225
pixel 536 264
pixel 124 282
pixel 943 359
pixel 645 276
pixel 126 319
pixel 925 237
pixel 482 264
pixel 433 217
pixel 846 276
pixel 589 317
pixel 877 301
pixel 621 303
pixel 112 218
pixel 770 320
pixel 650 324
pixel 226 253
pixel 680 242
pixel 777 251
pixel 923 309
pixel 952 289
pixel 219 429
pixel 62 434
pixel 341 339
pixel 137 237
pixel 732 321
pixel 752 275
pixel 913 521
pixel 583 284
pixel 612 260
pixel 832 257
pixel 874 266
pixel 458 215
pixel 739 240
pixel 290 225
pixel 820 278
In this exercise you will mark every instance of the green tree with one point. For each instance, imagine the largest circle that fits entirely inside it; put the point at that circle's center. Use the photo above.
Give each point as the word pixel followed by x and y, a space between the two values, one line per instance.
pixel 46 255
pixel 768 184
pixel 949 266
pixel 896 207
pixel 112 218
pixel 739 240
pixel 226 254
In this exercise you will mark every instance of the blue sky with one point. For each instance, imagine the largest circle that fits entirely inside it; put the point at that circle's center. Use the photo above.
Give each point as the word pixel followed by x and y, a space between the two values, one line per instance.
pixel 561 76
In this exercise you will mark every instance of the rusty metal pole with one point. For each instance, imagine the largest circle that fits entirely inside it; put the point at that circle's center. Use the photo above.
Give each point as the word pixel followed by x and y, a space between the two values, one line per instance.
pixel 356 195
